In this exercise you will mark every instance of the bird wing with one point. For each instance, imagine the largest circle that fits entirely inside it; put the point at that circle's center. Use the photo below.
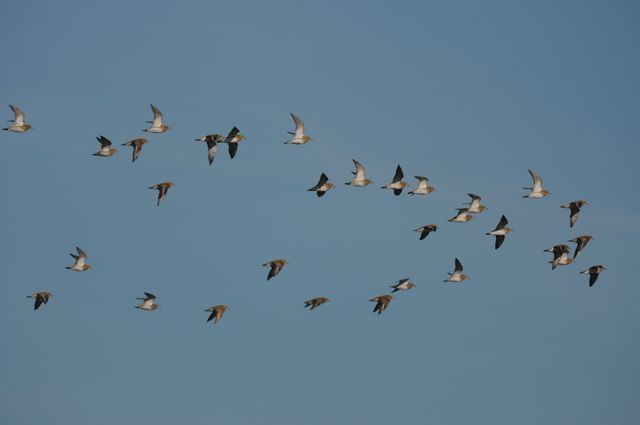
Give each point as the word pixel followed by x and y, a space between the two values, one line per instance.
pixel 499 241
pixel 212 149
pixel 81 254
pixel 503 222
pixel 18 119
pixel 157 117
pixel 149 296
pixel 233 149
pixel 359 174
pixel 232 134
pixel 398 175
pixel 458 268
pixel 104 142
pixel 537 181
pixel 299 132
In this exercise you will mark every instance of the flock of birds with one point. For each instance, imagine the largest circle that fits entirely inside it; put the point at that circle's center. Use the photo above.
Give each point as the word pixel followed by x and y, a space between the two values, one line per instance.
pixel 561 252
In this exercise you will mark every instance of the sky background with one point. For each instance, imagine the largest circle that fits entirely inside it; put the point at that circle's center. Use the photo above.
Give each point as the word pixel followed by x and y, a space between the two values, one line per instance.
pixel 470 94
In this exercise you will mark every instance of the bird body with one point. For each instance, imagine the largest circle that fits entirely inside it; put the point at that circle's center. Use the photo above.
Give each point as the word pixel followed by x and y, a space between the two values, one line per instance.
pixel 105 147
pixel 148 302
pixel 581 242
pixel 217 311
pixel 500 231
pixel 574 210
pixel 403 285
pixel 423 187
pixel 463 216
pixel 322 186
pixel 426 229
pixel 136 144
pixel 274 267
pixel 382 302
pixel 457 275
pixel 537 192
pixel 593 272
pixel 156 124
pixel 314 303
pixel 79 265
pixel 40 298
pixel 397 184
pixel 474 205
pixel 359 179
pixel 162 189
pixel 299 137
pixel 18 126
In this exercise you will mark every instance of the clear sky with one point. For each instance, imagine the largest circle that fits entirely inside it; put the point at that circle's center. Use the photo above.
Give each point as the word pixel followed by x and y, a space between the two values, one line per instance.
pixel 470 94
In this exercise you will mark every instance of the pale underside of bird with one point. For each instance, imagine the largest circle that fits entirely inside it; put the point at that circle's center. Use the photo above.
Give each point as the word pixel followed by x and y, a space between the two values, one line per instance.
pixel 426 229
pixel 322 186
pixel 500 231
pixel 217 311
pixel 537 191
pixel 474 205
pixel 463 216
pixel 581 243
pixel 274 267
pixel 299 138
pixel 403 285
pixel 397 184
pixel 382 302
pixel 457 275
pixel 162 189
pixel 18 125
pixel 574 210
pixel 314 303
pixel 106 149
pixel 148 302
pixel 40 298
pixel 359 178
pixel 423 187
pixel 156 125
pixel 79 265
pixel 560 257
pixel 136 144
pixel 593 272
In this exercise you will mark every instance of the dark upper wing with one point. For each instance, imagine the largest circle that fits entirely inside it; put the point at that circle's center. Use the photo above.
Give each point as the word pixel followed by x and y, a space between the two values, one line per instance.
pixel 458 267
pixel 503 222
pixel 398 175
pixel 499 241
pixel 592 278
pixel 40 300
pixel 150 296
pixel 212 315
pixel 104 142
pixel 233 133
pixel 233 148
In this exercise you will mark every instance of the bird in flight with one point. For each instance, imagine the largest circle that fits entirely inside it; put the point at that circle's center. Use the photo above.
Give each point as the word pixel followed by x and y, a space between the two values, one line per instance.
pixel 593 272
pixel 581 242
pixel 560 257
pixel 423 187
pixel 136 144
pixel 299 137
pixel 457 275
pixel 426 229
pixel 156 124
pixel 397 184
pixel 574 208
pixel 79 265
pixel 314 303
pixel 233 138
pixel 359 179
pixel 148 302
pixel 462 217
pixel 274 267
pixel 403 285
pixel 537 191
pixel 382 302
pixel 162 189
pixel 217 311
pixel 40 298
pixel 322 186
pixel 474 205
pixel 500 231
pixel 212 141
pixel 105 147
pixel 18 126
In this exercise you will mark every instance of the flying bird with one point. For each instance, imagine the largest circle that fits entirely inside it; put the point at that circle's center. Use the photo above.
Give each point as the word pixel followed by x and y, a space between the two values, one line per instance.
pixel 537 191
pixel 18 126
pixel 403 285
pixel 462 217
pixel 137 147
pixel 382 302
pixel 560 257
pixel 426 229
pixel 156 124
pixel 217 311
pixel 457 275
pixel 298 136
pixel 79 265
pixel 212 145
pixel 275 267
pixel 397 184
pixel 423 187
pixel 581 242
pixel 40 298
pixel 574 208
pixel 359 179
pixel 474 205
pixel 500 231
pixel 322 186
pixel 593 272
pixel 233 138
pixel 148 302
pixel 315 302
pixel 105 147
pixel 162 189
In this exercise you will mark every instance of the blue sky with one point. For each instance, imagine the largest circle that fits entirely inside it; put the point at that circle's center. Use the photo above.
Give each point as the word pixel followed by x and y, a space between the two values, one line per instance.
pixel 470 94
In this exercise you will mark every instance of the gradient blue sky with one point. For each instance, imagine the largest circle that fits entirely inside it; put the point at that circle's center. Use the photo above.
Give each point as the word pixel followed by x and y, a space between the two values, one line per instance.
pixel 468 93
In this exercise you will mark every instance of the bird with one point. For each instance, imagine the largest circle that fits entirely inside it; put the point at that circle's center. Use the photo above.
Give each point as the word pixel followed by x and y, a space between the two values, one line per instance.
pixel 457 275
pixel 426 229
pixel 212 144
pixel 500 231
pixel 137 147
pixel 581 242
pixel 402 285
pixel 322 186
pixel 40 298
pixel 560 257
pixel 423 187
pixel 105 147
pixel 162 189
pixel 217 311
pixel 397 184
pixel 148 302
pixel 18 126
pixel 298 136
pixel 156 124
pixel 233 138
pixel 382 302
pixel 315 302
pixel 537 191
pixel 275 267
pixel 574 208
pixel 359 179
pixel 462 217
pixel 79 265
pixel 593 272
pixel 474 205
